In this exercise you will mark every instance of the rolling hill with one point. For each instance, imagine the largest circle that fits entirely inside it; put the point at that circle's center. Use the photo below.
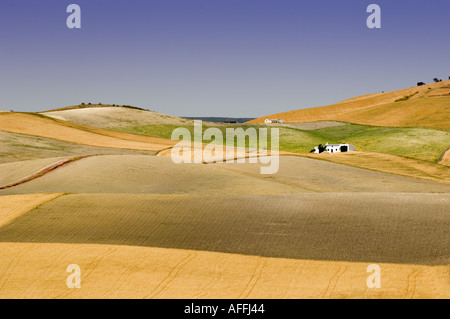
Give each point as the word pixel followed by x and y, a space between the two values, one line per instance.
pixel 109 116
pixel 43 126
pixel 422 106
pixel 218 230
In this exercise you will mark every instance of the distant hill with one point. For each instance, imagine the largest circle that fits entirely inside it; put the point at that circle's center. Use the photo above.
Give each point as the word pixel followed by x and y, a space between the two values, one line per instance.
pixel 86 106
pixel 222 119
pixel 422 106
pixel 110 116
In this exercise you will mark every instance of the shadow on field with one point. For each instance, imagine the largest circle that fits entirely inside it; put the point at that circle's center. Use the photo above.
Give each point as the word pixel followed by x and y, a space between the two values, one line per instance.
pixel 388 228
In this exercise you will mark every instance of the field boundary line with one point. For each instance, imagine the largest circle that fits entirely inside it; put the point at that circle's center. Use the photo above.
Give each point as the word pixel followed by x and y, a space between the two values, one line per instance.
pixel 44 171
pixel 19 211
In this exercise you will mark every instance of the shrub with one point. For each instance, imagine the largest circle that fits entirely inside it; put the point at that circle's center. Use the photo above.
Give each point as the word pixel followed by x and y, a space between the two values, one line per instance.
pixel 406 97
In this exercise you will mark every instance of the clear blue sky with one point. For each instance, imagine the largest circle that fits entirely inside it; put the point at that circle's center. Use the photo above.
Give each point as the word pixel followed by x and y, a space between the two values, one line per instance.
pixel 241 58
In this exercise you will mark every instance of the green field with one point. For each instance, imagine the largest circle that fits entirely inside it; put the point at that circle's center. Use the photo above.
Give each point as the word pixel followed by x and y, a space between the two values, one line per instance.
pixel 417 143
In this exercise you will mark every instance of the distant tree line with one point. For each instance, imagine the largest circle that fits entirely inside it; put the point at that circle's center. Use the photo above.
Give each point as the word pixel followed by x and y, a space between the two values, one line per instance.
pixel 117 105
pixel 436 80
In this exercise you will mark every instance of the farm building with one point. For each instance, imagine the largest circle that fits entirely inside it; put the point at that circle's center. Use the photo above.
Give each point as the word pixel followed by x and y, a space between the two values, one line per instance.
pixel 336 148
pixel 272 121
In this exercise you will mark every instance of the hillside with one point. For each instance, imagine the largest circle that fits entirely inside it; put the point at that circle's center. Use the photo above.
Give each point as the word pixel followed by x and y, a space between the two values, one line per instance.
pixel 47 127
pixel 108 116
pixel 429 107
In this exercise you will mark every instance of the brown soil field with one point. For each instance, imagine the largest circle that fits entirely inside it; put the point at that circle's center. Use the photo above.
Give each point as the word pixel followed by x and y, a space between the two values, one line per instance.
pixel 107 117
pixel 421 110
pixel 390 164
pixel 33 270
pixel 14 206
pixel 356 227
pixel 159 175
pixel 40 125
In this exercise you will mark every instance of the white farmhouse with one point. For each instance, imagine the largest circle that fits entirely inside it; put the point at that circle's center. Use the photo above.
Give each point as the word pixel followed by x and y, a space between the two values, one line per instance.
pixel 336 148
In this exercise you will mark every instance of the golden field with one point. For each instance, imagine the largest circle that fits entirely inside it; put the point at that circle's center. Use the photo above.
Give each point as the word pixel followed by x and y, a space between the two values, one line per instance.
pixel 141 226
pixel 36 270
pixel 429 108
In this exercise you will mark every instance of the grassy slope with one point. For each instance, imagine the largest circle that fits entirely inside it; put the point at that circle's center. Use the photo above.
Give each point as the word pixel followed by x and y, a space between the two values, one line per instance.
pixel 416 143
pixel 428 108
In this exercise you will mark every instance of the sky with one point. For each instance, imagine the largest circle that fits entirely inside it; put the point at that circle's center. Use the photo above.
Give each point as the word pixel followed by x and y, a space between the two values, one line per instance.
pixel 236 58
